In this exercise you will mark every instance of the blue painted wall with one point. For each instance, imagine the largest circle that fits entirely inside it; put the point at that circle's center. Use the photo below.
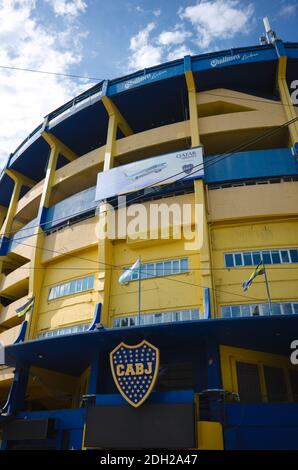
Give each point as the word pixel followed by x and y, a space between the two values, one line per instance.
pixel 261 426
pixel 250 165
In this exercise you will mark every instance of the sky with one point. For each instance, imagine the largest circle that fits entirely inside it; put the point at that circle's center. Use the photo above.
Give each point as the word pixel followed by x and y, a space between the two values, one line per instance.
pixel 107 39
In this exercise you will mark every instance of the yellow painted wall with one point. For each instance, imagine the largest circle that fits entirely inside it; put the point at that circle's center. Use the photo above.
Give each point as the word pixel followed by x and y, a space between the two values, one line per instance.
pixel 72 309
pixel 158 294
pixel 254 235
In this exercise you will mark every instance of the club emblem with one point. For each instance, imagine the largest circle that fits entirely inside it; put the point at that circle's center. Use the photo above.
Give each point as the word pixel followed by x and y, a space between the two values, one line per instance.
pixel 134 370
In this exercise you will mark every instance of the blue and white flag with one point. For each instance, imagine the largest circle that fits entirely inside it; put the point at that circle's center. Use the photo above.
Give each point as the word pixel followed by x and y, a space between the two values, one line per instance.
pixel 126 276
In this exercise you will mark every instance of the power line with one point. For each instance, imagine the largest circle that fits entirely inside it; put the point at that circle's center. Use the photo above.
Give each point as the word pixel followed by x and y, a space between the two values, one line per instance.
pixel 20 69
pixel 120 268
pixel 96 79
pixel 258 100
pixel 214 160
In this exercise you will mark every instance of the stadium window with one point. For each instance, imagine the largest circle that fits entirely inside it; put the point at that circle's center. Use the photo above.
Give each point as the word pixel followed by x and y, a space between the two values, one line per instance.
pixel 266 255
pixel 253 258
pixel 294 256
pixel 71 287
pixel 275 384
pixel 161 268
pixel 158 317
pixel 246 310
pixel 238 259
pixel 247 258
pixel 229 259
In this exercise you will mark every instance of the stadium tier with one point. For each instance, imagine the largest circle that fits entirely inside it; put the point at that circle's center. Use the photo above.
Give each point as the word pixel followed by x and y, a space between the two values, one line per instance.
pixel 149 261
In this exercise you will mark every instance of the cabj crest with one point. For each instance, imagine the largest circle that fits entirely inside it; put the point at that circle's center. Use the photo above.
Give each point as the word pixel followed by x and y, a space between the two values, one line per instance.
pixel 134 370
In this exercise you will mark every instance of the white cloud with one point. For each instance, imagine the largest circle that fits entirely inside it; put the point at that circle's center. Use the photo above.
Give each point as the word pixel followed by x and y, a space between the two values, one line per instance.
pixel 27 97
pixel 68 8
pixel 179 52
pixel 218 19
pixel 144 53
pixel 167 38
pixel 157 12
pixel 288 9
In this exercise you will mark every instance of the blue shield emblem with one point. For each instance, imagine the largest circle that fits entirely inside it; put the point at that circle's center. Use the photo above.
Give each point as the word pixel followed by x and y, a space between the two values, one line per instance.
pixel 134 370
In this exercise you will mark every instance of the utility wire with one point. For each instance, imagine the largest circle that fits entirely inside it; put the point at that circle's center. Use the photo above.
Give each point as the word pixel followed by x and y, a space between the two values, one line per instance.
pixel 213 160
pixel 20 69
pixel 113 266
pixel 96 79
pixel 260 100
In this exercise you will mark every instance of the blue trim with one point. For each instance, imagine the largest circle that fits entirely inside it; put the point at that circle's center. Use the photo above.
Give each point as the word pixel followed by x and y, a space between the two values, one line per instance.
pixel 207 304
pixel 177 396
pixel 214 370
pixel 4 246
pixel 260 426
pixel 22 333
pixel 250 165
pixel 17 392
pixel 64 353
pixel 96 317
pixel 85 110
pixel 280 48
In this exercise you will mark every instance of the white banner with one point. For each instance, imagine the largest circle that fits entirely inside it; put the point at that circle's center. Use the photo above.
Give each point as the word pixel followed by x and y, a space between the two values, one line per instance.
pixel 164 169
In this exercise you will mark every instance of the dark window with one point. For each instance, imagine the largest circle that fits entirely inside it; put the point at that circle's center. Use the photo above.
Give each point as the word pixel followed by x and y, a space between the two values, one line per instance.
pixel 294 383
pixel 249 388
pixel 175 376
pixel 275 384
pixel 285 256
pixel 294 256
pixel 238 259
pixel 229 261
pixel 275 257
pixel 256 257
pixel 247 259
pixel 266 257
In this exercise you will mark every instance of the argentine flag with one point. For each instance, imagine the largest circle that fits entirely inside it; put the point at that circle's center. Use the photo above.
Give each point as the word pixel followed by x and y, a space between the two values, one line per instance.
pixel 126 276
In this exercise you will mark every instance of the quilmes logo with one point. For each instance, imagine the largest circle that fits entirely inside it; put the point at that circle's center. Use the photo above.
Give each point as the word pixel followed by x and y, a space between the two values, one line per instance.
pixel 143 78
pixel 232 58
pixel 135 370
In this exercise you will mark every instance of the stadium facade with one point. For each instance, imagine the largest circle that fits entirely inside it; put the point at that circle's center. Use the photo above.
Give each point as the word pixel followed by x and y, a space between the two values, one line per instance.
pixel 221 375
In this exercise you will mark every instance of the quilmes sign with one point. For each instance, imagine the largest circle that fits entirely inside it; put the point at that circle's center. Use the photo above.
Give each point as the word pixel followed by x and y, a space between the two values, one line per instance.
pixel 231 59
pixel 135 369
pixel 164 169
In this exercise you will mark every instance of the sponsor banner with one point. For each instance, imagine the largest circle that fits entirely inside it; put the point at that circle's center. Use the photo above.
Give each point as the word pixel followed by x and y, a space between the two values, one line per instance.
pixel 234 58
pixel 164 169
pixel 145 78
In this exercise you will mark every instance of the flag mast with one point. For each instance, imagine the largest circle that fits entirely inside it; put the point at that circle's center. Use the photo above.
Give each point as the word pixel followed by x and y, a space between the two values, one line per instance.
pixel 267 288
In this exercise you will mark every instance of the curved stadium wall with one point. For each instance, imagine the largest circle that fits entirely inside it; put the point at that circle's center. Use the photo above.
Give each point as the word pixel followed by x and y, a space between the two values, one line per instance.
pixel 233 105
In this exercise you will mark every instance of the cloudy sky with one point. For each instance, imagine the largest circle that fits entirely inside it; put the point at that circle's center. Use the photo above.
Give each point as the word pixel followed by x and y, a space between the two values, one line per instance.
pixel 105 39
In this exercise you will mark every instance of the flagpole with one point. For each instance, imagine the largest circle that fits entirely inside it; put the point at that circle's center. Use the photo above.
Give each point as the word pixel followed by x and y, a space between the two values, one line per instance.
pixel 139 294
pixel 267 289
